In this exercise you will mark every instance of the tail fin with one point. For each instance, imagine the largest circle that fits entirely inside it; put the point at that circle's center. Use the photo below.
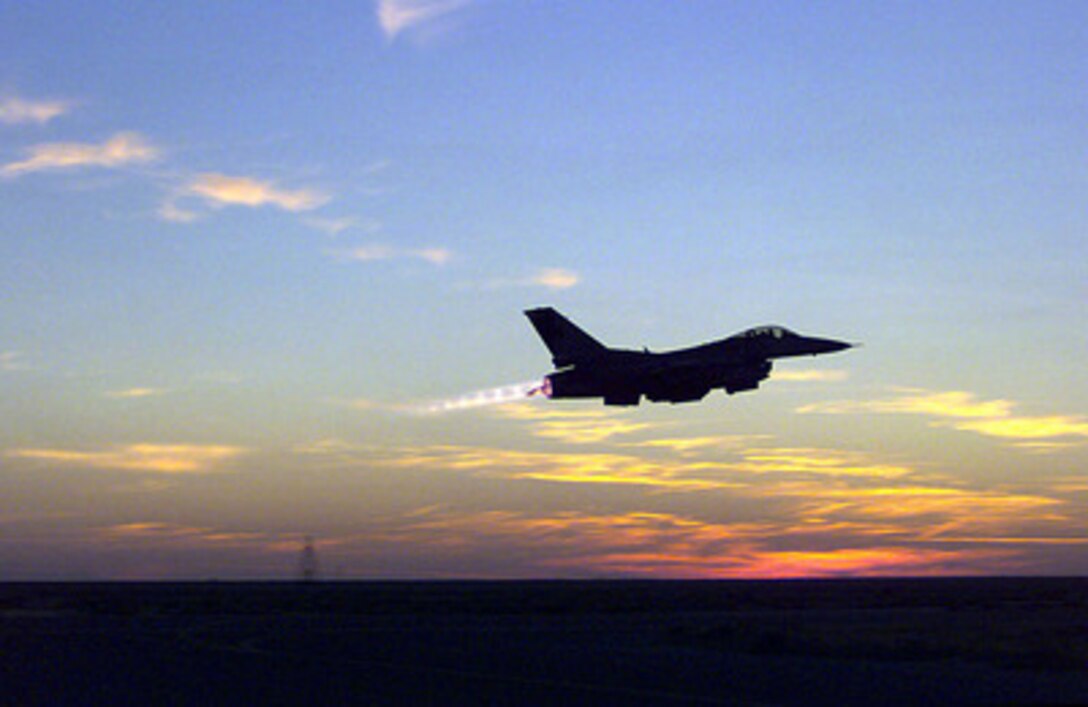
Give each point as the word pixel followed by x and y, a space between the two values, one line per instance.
pixel 567 342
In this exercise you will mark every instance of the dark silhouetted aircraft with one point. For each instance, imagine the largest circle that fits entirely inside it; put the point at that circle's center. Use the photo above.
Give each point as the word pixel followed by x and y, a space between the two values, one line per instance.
pixel 586 368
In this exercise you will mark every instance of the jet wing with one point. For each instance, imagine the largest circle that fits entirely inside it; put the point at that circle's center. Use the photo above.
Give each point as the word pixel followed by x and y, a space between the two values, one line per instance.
pixel 681 383
pixel 678 383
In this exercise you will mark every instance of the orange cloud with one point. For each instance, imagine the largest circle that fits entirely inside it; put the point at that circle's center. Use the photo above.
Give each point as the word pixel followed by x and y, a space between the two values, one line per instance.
pixel 819 462
pixel 667 545
pixel 927 513
pixel 751 563
pixel 595 425
pixel 600 468
pixel 572 532
pixel 1030 428
pixel 814 507
pixel 686 446
pixel 809 376
pixel 687 471
pixel 866 562
pixel 993 418
pixel 173 531
pixel 159 458
pixel 953 403
pixel 176 536
pixel 573 426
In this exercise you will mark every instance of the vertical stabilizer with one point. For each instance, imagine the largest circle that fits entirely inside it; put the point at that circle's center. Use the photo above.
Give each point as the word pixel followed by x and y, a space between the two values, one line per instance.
pixel 568 344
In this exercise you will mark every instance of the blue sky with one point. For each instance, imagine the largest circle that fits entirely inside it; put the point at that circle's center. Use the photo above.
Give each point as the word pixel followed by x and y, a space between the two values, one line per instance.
pixel 242 245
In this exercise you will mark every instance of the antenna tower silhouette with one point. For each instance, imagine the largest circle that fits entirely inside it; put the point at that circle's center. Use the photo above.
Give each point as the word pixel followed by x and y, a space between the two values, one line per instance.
pixel 307 566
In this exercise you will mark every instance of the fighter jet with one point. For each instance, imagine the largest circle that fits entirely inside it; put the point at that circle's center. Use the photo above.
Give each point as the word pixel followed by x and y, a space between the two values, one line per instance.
pixel 586 368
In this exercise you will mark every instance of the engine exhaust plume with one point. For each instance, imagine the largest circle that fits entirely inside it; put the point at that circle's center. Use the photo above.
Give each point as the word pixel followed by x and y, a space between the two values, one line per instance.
pixel 482 398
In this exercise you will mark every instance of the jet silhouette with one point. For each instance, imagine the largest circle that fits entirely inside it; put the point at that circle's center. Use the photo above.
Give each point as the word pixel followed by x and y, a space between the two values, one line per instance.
pixel 586 368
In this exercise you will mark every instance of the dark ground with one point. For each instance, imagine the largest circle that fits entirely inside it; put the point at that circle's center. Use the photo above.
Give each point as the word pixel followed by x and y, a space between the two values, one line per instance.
pixel 849 642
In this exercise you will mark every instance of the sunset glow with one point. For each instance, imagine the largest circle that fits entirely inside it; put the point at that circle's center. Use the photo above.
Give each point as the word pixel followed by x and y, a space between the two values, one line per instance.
pixel 264 274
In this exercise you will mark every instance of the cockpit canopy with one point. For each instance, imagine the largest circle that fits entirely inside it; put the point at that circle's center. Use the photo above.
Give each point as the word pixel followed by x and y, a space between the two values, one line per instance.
pixel 766 332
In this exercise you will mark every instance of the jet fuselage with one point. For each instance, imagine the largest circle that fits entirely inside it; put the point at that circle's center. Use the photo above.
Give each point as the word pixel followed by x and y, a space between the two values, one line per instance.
pixel 588 369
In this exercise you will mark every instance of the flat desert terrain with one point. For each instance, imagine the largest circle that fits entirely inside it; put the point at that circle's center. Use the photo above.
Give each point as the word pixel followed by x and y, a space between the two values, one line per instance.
pixel 1005 641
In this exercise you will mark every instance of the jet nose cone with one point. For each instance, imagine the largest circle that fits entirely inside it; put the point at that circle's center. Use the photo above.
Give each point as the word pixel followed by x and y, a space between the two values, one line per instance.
pixel 830 346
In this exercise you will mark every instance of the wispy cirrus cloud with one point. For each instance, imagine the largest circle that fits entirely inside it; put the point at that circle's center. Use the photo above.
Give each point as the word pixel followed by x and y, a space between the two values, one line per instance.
pixel 159 532
pixel 964 411
pixel 807 512
pixel 937 514
pixel 219 190
pixel 158 458
pixel 689 446
pixel 170 211
pixel 701 463
pixel 574 426
pixel 11 361
pixel 887 561
pixel 376 251
pixel 549 278
pixel 741 469
pixel 943 504
pixel 398 16
pixel 1030 428
pixel 656 544
pixel 555 279
pixel 816 462
pixel 953 404
pixel 557 467
pixel 120 150
pixel 336 226
pixel 131 393
pixel 16 110
pixel 810 375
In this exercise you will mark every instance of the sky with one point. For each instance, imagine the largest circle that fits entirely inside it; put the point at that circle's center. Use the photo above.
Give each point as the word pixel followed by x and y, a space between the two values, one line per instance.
pixel 258 261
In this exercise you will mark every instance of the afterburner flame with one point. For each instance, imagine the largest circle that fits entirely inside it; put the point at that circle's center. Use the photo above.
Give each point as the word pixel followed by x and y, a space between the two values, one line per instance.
pixel 491 396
